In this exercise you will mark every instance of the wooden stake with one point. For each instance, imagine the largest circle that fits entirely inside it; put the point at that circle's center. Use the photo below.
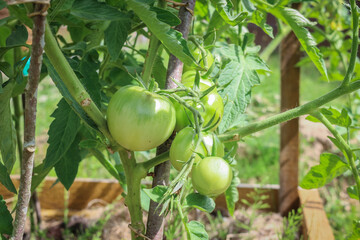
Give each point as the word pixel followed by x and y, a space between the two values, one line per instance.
pixel 289 136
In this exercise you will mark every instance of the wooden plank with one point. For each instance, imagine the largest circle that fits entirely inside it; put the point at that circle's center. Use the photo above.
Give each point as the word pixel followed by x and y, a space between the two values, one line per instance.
pixel 271 191
pixel 316 225
pixel 289 131
pixel 81 193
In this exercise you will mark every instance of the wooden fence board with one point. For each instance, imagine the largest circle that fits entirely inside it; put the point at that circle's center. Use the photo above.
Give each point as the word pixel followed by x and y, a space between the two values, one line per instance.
pixel 271 191
pixel 316 225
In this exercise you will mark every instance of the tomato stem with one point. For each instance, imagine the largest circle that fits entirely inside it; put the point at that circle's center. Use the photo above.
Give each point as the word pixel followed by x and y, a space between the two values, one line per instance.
pixel 154 161
pixel 133 199
pixel 73 84
pixel 150 59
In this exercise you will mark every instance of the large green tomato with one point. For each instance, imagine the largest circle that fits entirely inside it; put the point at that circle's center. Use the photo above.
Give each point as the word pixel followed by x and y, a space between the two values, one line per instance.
pixel 183 147
pixel 199 57
pixel 211 176
pixel 140 120
pixel 213 106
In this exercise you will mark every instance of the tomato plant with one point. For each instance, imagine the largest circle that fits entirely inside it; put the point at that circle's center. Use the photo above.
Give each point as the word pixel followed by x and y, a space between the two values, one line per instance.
pixel 211 176
pixel 140 120
pixel 184 145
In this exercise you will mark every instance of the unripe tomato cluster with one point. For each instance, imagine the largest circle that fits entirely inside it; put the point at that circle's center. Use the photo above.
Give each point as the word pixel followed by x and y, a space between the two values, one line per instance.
pixel 140 120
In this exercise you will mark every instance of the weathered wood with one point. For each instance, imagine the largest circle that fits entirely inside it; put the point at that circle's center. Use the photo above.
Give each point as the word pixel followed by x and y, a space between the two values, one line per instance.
pixel 271 191
pixel 81 193
pixel 316 225
pixel 289 131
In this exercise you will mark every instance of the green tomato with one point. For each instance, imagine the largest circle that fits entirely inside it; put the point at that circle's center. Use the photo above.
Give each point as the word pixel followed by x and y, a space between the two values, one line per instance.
pixel 211 176
pixel 199 57
pixel 183 147
pixel 188 79
pixel 140 120
pixel 213 106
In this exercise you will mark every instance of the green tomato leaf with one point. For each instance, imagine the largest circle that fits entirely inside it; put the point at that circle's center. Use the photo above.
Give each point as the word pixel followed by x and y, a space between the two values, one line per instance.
pixel 216 22
pixel 90 143
pixel 170 38
pixel 67 96
pixel 145 200
pixel 115 36
pixel 335 117
pixel 156 193
pixel 67 167
pixel 166 16
pixel 238 77
pixel 62 133
pixel 17 37
pixel 6 219
pixel 259 19
pixel 329 168
pixel 341 119
pixel 339 146
pixel 225 9
pixel 5 179
pixel 19 12
pixel 201 202
pixel 7 129
pixel 159 72
pixel 58 6
pixel 7 69
pixel 95 10
pixel 88 68
pixel 232 195
pixel 353 192
pixel 202 9
pixel 298 22
pixel 249 5
pixel 40 172
pixel 197 231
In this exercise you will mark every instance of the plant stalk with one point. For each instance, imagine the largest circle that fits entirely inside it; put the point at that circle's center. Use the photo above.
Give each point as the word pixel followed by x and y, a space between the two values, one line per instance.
pixel 237 134
pixel 133 200
pixel 155 225
pixel 18 112
pixel 27 164
pixel 355 43
pixel 152 52
pixel 346 147
pixel 73 84
pixel 155 161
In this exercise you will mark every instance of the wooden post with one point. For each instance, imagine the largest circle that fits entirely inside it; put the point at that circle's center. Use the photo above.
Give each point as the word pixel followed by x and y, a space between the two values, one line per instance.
pixel 289 136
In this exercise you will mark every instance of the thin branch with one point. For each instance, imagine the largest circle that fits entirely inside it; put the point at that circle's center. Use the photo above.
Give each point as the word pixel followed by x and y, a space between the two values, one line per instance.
pixel 30 122
pixel 155 224
pixel 154 161
pixel 237 134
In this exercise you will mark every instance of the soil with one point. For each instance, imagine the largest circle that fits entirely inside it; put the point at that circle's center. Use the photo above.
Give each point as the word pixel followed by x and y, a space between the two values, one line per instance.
pixel 262 225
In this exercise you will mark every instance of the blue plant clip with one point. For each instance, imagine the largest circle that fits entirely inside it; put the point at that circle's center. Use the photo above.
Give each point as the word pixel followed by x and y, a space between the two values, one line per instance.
pixel 26 68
